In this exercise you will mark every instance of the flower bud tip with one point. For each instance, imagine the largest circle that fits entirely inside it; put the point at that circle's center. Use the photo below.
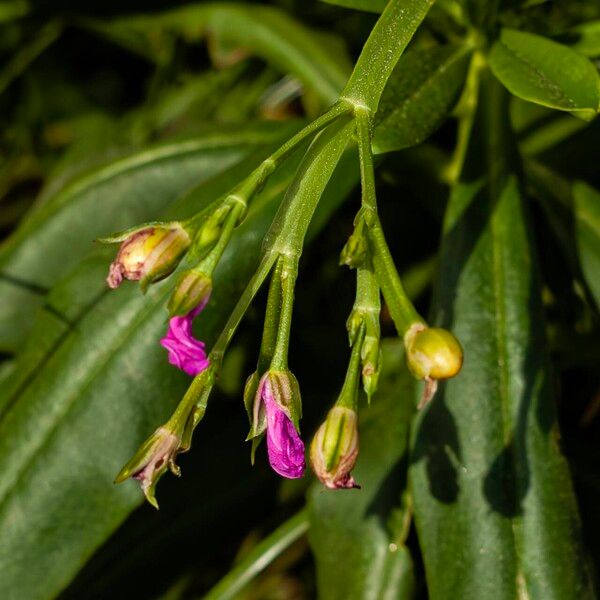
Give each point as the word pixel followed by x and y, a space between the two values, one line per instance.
pixel 432 352
pixel 149 254
pixel 334 449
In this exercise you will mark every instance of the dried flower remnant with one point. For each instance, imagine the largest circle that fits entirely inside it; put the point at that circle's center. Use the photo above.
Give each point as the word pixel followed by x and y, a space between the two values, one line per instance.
pixel 154 457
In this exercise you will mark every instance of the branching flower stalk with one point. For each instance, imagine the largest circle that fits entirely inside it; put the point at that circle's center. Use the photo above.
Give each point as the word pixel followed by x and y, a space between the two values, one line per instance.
pixel 152 252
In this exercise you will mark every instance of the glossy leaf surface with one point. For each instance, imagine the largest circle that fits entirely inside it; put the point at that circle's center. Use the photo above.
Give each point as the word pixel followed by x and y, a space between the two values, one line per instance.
pixel 98 383
pixel 539 70
pixel 419 96
pixel 139 188
pixel 494 507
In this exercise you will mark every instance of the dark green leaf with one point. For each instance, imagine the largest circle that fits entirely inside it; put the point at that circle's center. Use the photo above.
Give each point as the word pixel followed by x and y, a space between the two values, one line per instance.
pixel 587 232
pixel 352 532
pixel 96 386
pixel 494 506
pixel 234 29
pixel 132 190
pixel 539 70
pixel 419 96
pixel 375 6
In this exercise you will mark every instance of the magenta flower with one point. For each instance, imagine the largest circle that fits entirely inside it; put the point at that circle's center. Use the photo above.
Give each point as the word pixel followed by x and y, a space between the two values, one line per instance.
pixel 185 351
pixel 284 446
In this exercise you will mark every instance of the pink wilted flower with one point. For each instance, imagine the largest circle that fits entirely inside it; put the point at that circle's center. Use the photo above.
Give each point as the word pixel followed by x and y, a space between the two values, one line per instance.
pixel 276 410
pixel 185 351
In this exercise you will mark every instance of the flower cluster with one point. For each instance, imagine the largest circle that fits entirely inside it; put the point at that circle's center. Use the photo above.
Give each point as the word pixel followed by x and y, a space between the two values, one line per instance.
pixel 152 252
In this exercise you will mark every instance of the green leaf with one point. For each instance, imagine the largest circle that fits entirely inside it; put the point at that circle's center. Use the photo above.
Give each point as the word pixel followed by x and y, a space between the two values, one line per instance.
pixel 419 96
pixel 96 389
pixel 587 233
pixel 352 532
pixel 375 6
pixel 234 29
pixel 539 70
pixel 138 188
pixel 587 38
pixel 494 505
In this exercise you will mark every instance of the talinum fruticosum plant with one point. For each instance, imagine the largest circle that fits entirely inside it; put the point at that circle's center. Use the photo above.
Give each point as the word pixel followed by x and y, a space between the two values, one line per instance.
pixel 152 251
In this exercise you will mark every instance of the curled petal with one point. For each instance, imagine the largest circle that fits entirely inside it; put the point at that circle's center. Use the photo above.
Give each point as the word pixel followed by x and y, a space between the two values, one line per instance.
pixel 185 351
pixel 284 446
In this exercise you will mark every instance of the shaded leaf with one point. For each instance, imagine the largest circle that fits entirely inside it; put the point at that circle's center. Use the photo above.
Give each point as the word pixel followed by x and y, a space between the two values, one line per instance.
pixel 55 236
pixel 236 29
pixel 587 38
pixel 494 506
pixel 101 386
pixel 586 202
pixel 419 96
pixel 351 530
pixel 375 6
pixel 539 70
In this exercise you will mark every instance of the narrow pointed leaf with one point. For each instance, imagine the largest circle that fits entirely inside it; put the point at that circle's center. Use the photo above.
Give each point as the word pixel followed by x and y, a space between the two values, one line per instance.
pixel 94 388
pixel 494 505
pixel 419 96
pixel 138 188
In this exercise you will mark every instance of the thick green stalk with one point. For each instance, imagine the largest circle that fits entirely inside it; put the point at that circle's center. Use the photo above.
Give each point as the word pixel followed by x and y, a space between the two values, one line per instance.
pixel 289 272
pixel 390 36
pixel 348 397
pixel 401 309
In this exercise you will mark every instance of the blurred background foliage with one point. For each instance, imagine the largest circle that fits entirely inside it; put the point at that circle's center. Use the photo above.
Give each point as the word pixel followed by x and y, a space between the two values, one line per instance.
pixel 182 104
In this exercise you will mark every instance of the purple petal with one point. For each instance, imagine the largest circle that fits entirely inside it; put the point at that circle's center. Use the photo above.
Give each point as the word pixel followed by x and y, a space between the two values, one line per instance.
pixel 285 448
pixel 185 351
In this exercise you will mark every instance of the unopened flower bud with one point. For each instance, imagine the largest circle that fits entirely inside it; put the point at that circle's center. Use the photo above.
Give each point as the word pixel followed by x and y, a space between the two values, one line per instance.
pixel 370 351
pixel 334 449
pixel 432 352
pixel 192 290
pixel 148 254
pixel 356 250
pixel 371 365
pixel 151 461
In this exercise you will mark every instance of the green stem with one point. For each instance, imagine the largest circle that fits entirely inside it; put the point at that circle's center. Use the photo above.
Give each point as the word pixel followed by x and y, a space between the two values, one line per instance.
pixel 402 311
pixel 241 307
pixel 245 191
pixel 288 276
pixel 208 264
pixel 260 557
pixel 465 111
pixel 272 316
pixel 348 397
pixel 390 36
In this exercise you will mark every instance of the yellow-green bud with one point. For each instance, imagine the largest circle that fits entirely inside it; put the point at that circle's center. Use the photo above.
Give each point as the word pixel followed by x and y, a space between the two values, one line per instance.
pixel 192 290
pixel 149 254
pixel 432 352
pixel 334 449
pixel 356 250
